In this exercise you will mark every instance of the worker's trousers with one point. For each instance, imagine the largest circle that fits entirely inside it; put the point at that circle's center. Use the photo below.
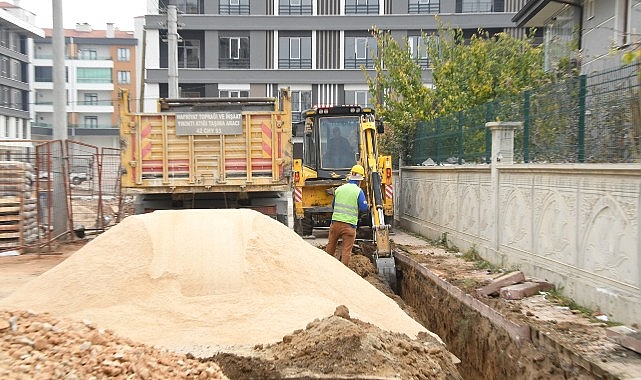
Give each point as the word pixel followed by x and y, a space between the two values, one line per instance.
pixel 344 231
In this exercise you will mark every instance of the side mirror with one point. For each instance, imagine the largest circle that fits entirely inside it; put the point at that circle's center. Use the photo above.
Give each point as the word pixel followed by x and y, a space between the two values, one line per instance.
pixel 380 128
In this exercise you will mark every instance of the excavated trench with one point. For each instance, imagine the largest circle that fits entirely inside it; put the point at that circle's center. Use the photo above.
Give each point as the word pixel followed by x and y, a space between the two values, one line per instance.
pixel 488 345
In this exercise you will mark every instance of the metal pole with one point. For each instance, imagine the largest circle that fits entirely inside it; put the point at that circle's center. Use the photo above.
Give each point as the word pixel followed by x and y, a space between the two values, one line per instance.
pixel 172 51
pixel 59 90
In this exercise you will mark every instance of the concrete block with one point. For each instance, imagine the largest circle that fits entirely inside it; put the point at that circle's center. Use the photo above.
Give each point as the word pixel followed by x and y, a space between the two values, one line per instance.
pixel 625 336
pixel 505 280
pixel 525 289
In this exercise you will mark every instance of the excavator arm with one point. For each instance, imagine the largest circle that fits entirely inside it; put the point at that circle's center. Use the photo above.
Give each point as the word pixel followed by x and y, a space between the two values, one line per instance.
pixel 383 256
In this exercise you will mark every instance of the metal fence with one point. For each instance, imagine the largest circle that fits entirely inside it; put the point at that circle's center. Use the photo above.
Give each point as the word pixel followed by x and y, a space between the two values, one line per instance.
pixel 594 118
pixel 56 189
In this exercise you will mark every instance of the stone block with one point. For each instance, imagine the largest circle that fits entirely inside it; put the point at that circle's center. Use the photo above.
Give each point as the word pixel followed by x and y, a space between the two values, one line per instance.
pixel 502 281
pixel 625 336
pixel 525 289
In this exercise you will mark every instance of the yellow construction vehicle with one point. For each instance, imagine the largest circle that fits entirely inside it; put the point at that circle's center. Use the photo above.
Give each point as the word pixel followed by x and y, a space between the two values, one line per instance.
pixel 209 153
pixel 334 139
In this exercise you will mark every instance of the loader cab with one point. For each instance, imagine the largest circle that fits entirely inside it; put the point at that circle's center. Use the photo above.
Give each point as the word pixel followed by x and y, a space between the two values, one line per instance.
pixel 332 139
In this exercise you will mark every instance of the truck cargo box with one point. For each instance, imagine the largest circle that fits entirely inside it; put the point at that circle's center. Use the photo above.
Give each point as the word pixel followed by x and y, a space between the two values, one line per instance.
pixel 223 152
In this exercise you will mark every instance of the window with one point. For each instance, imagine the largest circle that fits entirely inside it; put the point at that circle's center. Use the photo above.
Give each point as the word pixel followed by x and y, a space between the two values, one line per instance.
pixel 475 6
pixel 361 6
pixel 189 54
pixel 233 94
pixel 301 101
pixel 188 6
pixel 295 52
pixel 589 9
pixel 359 51
pixel 124 77
pixel 4 67
pixel 91 98
pixel 91 122
pixel 359 97
pixel 94 75
pixel 418 49
pixel 234 52
pixel 424 6
pixel 123 54
pixel 44 74
pixel 295 7
pixel 88 54
pixel 233 7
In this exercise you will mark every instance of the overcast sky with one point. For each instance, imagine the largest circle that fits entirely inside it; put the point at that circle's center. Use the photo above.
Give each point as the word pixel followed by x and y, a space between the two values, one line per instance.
pixel 95 12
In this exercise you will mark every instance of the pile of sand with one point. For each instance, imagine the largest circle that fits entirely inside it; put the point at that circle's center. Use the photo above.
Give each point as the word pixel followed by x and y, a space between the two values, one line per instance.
pixel 193 280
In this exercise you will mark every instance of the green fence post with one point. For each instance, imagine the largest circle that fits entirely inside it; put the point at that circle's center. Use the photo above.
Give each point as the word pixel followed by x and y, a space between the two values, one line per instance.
pixel 438 134
pixel 489 116
pixel 460 137
pixel 526 126
pixel 581 131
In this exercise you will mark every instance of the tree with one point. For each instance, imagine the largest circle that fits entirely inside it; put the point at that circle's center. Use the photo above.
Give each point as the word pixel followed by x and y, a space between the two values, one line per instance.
pixel 465 73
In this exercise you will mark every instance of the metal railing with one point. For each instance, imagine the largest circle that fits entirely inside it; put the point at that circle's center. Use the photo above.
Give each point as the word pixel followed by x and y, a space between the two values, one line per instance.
pixel 593 118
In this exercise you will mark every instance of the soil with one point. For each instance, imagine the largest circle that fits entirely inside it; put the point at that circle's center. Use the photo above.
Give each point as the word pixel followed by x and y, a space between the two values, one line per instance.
pixel 337 346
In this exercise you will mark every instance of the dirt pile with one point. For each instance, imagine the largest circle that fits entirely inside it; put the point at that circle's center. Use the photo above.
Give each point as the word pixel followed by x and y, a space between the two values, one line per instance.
pixel 39 346
pixel 341 347
pixel 207 282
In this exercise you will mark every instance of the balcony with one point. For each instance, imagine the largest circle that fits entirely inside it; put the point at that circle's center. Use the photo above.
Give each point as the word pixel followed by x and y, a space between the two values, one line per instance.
pixel 356 63
pixel 226 9
pixel 294 63
pixel 288 9
pixel 421 8
pixel 361 9
pixel 228 63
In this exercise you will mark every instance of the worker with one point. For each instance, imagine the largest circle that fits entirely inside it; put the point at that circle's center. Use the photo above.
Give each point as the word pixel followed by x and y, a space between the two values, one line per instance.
pixel 349 199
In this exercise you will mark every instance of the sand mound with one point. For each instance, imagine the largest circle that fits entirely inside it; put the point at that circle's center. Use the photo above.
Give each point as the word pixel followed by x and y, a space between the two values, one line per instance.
pixel 191 279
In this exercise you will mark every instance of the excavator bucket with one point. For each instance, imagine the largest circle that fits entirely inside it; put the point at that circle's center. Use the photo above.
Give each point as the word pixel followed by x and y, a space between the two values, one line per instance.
pixel 383 257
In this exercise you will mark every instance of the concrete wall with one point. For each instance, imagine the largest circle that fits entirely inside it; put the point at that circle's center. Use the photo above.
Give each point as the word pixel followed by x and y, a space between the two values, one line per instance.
pixel 575 225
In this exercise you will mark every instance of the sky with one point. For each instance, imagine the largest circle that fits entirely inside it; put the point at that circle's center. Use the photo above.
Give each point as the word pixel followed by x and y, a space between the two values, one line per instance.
pixel 95 12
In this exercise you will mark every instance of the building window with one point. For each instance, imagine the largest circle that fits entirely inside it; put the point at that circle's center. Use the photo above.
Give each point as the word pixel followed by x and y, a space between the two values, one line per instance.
pixel 43 74
pixel 360 51
pixel 124 54
pixel 295 7
pixel 188 6
pixel 234 52
pixel 294 52
pixel 87 54
pixel 357 97
pixel 589 9
pixel 189 54
pixel 124 77
pixel 91 98
pixel 4 67
pixel 477 6
pixel 93 75
pixel 424 6
pixel 361 7
pixel 233 94
pixel 233 7
pixel 418 48
pixel 301 101
pixel 91 122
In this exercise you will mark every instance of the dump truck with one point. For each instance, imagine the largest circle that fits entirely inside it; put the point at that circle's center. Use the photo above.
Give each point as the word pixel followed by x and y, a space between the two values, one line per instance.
pixel 209 153
pixel 334 138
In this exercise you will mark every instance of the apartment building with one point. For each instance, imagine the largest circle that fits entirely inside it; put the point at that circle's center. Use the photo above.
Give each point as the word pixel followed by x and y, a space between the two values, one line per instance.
pixel 97 64
pixel 17 31
pixel 593 32
pixel 315 47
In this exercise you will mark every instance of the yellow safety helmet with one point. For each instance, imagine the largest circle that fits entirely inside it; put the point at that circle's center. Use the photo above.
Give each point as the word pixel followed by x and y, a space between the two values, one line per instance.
pixel 357 173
